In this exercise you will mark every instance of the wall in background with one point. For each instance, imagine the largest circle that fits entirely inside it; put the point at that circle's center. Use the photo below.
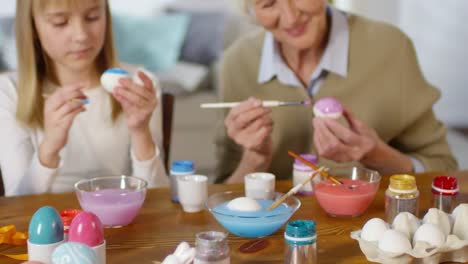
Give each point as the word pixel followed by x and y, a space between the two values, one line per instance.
pixel 438 30
pixel 144 7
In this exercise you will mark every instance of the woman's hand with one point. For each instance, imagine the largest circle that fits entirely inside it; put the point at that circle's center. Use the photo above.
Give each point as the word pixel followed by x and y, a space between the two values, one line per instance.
pixel 60 110
pixel 338 143
pixel 359 142
pixel 250 125
pixel 138 102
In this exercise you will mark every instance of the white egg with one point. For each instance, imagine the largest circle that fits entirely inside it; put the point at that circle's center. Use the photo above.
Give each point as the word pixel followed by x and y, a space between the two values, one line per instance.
pixel 406 223
pixel 460 226
pixel 431 234
pixel 438 218
pixel 373 229
pixel 395 242
pixel 244 204
pixel 460 207
pixel 110 78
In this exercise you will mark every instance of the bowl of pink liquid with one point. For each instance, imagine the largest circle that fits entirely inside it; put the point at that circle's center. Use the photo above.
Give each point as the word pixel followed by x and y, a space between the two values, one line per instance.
pixel 116 200
pixel 353 196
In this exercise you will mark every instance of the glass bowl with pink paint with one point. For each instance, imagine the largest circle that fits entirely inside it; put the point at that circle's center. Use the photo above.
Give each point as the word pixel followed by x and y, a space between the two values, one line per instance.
pixel 116 200
pixel 353 196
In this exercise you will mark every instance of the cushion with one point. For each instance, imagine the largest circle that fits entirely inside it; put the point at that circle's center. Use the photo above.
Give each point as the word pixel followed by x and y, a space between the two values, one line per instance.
pixel 205 38
pixel 195 76
pixel 7 44
pixel 154 42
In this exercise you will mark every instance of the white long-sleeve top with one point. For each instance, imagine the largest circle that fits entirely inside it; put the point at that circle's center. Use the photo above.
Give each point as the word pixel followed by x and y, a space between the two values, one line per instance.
pixel 96 147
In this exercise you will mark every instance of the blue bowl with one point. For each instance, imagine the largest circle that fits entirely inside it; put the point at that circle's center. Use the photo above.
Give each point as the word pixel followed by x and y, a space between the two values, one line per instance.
pixel 251 224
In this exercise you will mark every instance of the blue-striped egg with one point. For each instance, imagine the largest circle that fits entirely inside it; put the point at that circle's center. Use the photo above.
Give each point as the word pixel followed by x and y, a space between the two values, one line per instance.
pixel 110 78
pixel 74 253
pixel 45 227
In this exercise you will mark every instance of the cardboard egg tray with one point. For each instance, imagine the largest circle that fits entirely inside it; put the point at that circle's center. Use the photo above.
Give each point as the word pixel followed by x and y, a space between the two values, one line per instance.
pixel 454 250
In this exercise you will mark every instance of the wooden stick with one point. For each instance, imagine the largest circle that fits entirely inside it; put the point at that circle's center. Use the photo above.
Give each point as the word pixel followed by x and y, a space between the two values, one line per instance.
pixel 295 189
pixel 313 166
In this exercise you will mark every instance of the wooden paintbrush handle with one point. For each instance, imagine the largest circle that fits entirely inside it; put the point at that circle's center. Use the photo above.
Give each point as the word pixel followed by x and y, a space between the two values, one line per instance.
pixel 313 166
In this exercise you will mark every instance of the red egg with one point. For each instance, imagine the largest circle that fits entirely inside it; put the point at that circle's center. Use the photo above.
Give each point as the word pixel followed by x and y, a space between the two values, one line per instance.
pixel 86 228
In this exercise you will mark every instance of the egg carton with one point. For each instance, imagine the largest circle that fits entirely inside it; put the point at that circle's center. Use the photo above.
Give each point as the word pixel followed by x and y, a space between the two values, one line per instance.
pixel 453 250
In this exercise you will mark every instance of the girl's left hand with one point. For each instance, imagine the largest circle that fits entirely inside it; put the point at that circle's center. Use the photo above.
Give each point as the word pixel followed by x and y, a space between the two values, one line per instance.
pixel 335 142
pixel 138 101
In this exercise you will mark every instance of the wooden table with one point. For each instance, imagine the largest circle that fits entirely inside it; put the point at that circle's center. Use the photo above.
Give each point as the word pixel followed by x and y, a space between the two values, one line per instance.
pixel 161 225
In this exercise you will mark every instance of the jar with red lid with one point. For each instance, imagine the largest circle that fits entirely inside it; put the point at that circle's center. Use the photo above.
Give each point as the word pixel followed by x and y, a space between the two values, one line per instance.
pixel 444 193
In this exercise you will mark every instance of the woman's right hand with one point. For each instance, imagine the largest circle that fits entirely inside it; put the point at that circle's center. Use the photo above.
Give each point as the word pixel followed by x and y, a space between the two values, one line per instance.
pixel 250 125
pixel 60 109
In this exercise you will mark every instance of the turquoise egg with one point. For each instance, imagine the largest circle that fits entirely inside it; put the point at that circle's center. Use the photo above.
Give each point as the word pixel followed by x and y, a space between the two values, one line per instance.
pixel 45 227
pixel 74 253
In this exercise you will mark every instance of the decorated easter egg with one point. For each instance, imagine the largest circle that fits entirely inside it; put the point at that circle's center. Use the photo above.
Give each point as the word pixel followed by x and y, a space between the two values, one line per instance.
pixel 110 78
pixel 430 234
pixel 86 228
pixel 373 229
pixel 74 253
pixel 45 227
pixel 328 107
pixel 395 242
pixel 244 204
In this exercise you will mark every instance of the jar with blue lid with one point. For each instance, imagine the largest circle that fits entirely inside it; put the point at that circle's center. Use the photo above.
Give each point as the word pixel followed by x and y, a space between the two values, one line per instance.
pixel 179 168
pixel 301 242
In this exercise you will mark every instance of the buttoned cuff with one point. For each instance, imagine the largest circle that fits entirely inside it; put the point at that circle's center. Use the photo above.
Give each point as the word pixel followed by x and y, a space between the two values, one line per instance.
pixel 42 176
pixel 145 163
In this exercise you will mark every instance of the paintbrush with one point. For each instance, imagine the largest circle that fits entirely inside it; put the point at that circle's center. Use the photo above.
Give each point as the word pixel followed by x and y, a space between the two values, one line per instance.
pixel 295 189
pixel 264 104
pixel 313 166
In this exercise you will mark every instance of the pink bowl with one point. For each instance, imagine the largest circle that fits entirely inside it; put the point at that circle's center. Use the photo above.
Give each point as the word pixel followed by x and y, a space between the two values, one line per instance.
pixel 353 197
pixel 116 200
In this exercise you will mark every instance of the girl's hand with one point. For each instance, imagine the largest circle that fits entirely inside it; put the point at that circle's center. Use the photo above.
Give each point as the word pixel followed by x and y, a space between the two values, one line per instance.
pixel 60 110
pixel 138 102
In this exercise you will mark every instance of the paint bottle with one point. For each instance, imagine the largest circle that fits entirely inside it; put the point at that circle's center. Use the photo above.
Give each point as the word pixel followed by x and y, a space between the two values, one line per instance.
pixel 179 168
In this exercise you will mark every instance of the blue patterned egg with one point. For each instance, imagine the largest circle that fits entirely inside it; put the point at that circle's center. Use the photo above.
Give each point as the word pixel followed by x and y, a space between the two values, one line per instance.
pixel 74 253
pixel 110 78
pixel 45 227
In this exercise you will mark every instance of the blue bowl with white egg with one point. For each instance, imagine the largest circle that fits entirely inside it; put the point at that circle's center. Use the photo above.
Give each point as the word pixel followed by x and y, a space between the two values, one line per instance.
pixel 246 217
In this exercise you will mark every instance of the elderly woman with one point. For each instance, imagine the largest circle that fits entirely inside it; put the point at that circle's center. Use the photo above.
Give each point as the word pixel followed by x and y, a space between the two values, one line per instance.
pixel 309 50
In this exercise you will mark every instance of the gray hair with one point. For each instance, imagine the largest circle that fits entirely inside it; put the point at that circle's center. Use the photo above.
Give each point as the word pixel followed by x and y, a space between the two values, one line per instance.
pixel 246 8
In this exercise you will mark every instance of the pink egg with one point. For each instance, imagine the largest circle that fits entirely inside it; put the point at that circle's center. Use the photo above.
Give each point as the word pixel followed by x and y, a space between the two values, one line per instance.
pixel 86 228
pixel 328 107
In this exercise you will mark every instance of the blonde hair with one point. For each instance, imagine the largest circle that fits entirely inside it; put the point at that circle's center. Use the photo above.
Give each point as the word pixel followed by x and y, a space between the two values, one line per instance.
pixel 33 61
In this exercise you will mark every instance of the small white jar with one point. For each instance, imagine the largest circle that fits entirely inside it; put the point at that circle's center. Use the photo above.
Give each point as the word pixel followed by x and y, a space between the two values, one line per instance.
pixel 302 171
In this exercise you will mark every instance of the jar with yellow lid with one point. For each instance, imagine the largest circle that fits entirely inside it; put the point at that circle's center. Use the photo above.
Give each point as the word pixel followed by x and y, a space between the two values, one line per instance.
pixel 402 195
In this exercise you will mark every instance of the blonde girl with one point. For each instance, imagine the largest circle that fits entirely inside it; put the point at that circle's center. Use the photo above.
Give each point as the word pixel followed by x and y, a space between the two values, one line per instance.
pixel 50 137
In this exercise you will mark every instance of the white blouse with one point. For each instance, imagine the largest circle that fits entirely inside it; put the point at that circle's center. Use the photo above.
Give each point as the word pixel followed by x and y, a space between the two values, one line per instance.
pixel 96 147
